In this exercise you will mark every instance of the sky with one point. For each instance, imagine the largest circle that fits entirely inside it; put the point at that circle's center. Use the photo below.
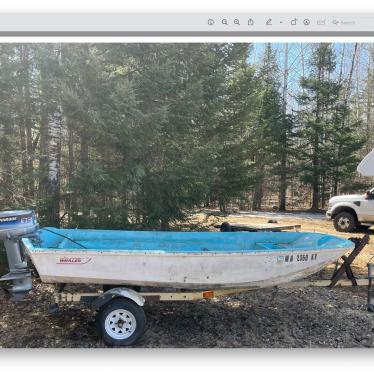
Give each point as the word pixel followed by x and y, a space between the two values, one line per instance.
pixel 299 52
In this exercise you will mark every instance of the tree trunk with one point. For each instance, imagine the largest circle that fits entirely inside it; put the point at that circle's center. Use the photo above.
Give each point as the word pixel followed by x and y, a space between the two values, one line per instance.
pixel 315 148
pixel 70 172
pixel 258 193
pixel 283 161
pixel 28 123
pixel 7 163
pixel 54 160
pixel 51 132
pixel 347 94
pixel 369 97
pixel 25 122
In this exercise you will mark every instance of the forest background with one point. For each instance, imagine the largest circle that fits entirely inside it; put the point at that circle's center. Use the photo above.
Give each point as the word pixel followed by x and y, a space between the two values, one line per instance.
pixel 123 135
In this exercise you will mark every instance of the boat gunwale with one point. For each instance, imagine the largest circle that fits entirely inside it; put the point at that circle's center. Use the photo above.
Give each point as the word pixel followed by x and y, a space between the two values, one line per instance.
pixel 256 247
pixel 280 251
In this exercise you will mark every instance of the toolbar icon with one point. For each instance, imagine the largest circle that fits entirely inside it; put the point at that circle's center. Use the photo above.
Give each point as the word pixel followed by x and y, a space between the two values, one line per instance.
pixel 236 21
pixel 210 22
pixel 306 22
pixel 321 22
pixel 294 22
pixel 251 22
pixel 224 21
pixel 269 22
pixel 335 22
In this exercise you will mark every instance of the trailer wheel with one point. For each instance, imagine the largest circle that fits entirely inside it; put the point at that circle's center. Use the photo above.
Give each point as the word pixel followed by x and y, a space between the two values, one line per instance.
pixel 345 222
pixel 120 322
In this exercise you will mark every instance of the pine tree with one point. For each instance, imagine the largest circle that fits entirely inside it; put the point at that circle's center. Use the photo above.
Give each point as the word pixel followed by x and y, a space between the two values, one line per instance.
pixel 271 133
pixel 323 128
pixel 227 145
pixel 116 135
pixel 51 133
pixel 9 152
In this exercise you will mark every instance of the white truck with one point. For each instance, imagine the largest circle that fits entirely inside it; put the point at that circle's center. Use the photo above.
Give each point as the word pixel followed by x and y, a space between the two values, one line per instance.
pixel 349 212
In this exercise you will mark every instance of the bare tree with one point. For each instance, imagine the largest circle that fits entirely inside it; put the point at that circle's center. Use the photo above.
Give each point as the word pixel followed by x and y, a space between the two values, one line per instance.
pixel 283 171
pixel 51 132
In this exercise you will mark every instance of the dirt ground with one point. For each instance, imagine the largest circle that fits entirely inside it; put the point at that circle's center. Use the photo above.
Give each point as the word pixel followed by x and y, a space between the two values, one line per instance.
pixel 271 318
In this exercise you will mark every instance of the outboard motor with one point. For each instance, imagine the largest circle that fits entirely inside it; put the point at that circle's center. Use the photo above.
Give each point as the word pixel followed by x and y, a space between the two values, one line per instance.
pixel 15 225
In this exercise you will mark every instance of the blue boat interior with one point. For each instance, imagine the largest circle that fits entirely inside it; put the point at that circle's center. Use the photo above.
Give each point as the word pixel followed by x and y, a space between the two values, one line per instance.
pixel 184 242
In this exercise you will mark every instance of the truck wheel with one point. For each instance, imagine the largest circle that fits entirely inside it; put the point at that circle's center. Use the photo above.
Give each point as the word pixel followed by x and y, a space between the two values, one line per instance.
pixel 345 222
pixel 120 322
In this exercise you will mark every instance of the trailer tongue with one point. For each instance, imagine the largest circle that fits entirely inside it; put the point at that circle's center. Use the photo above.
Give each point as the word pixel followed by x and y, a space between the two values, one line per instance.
pixel 15 225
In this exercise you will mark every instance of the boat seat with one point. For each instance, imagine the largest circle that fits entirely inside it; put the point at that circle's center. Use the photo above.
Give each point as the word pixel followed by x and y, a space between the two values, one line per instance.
pixel 270 246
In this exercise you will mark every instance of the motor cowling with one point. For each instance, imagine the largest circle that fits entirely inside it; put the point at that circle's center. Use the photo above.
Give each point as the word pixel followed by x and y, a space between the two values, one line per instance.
pixel 15 225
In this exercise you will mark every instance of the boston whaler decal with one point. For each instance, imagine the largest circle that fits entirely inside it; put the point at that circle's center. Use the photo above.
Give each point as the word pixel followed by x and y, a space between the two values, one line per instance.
pixel 73 260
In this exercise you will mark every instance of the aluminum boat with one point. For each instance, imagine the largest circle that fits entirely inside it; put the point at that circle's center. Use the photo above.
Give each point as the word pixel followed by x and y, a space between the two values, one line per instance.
pixel 188 260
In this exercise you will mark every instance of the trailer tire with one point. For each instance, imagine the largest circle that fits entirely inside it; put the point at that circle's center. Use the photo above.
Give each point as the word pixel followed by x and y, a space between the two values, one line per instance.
pixel 345 222
pixel 120 322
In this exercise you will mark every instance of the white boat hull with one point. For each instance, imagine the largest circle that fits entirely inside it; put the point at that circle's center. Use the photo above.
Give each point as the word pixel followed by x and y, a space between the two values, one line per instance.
pixel 180 270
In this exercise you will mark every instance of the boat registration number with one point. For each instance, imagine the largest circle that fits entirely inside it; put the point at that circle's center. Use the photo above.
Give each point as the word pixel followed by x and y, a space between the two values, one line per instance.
pixel 305 257
pixel 300 257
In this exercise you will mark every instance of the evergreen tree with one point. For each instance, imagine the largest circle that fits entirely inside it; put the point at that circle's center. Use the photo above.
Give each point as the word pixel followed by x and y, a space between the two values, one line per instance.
pixel 115 135
pixel 271 135
pixel 227 150
pixel 327 143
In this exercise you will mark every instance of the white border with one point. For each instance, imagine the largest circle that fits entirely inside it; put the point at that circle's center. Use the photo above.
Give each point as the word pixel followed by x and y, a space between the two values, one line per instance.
pixel 189 39
pixel 185 6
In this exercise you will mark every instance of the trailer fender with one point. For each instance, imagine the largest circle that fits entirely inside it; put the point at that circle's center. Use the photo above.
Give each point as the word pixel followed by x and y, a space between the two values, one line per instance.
pixel 118 292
